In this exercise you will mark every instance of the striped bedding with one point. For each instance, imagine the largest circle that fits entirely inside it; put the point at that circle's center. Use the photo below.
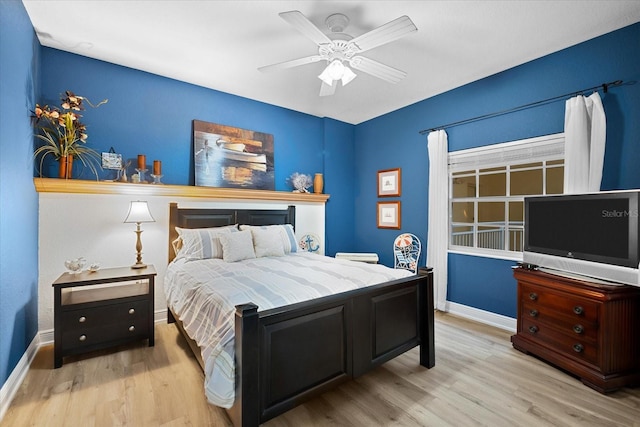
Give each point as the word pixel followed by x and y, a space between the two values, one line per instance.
pixel 204 293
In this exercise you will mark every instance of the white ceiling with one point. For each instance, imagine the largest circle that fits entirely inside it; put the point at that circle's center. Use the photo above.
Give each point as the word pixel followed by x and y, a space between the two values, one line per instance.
pixel 221 44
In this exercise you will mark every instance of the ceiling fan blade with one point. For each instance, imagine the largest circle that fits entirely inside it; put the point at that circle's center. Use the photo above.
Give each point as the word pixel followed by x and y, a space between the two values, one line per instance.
pixel 377 69
pixel 327 90
pixel 389 32
pixel 306 27
pixel 291 64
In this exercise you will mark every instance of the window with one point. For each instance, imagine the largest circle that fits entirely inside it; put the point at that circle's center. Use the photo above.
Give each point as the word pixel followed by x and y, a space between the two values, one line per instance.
pixel 487 186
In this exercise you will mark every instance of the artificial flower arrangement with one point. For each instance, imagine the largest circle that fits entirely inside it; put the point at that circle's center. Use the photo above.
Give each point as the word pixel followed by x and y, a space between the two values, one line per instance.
pixel 64 135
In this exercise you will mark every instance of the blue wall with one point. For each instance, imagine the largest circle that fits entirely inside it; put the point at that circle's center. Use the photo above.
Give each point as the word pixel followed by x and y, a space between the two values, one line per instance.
pixel 152 115
pixel 18 199
pixel 394 141
pixel 339 158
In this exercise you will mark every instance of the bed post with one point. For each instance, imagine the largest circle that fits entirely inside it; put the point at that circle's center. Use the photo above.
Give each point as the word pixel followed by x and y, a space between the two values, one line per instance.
pixel 246 408
pixel 292 216
pixel 427 341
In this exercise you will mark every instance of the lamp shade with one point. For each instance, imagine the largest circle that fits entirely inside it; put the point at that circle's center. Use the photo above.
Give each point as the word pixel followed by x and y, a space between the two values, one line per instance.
pixel 139 212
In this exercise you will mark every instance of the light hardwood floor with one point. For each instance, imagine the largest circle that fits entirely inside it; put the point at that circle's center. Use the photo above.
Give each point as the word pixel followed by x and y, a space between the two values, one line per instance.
pixel 479 379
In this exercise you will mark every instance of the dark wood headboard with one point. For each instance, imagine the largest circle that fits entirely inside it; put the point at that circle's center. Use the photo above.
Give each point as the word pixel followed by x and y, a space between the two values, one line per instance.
pixel 210 217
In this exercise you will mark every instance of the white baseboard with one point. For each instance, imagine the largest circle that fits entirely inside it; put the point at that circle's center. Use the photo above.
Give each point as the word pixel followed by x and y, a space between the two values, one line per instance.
pixel 46 337
pixel 160 316
pixel 13 383
pixel 482 316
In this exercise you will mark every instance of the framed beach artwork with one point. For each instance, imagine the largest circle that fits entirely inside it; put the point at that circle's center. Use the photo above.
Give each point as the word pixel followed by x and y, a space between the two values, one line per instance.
pixel 389 215
pixel 231 157
pixel 389 183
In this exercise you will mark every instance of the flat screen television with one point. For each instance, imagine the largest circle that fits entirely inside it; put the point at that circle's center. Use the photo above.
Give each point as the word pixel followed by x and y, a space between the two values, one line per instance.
pixel 594 235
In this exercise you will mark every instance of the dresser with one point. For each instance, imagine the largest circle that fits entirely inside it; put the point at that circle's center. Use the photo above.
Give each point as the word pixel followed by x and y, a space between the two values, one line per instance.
pixel 105 308
pixel 589 328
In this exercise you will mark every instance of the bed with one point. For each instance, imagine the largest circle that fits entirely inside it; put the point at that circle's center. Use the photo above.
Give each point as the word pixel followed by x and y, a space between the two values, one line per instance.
pixel 290 353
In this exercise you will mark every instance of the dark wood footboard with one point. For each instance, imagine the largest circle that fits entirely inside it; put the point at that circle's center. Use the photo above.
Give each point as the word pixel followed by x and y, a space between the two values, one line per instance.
pixel 287 355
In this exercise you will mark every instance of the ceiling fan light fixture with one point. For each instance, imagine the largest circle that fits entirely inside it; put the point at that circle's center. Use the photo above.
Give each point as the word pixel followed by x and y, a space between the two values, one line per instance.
pixel 336 70
pixel 325 77
pixel 347 76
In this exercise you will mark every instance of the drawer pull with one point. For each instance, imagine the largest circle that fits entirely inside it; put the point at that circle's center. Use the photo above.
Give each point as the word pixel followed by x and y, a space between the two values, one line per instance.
pixel 533 313
pixel 578 348
pixel 533 296
pixel 578 329
pixel 132 310
pixel 578 309
pixel 132 328
pixel 82 338
pixel 82 319
pixel 533 329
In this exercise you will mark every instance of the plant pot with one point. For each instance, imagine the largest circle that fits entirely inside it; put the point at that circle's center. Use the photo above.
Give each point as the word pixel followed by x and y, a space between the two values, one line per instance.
pixel 65 167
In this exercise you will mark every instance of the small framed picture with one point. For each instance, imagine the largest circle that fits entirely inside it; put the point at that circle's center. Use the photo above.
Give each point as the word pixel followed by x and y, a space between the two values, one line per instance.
pixel 389 215
pixel 389 182
pixel 111 160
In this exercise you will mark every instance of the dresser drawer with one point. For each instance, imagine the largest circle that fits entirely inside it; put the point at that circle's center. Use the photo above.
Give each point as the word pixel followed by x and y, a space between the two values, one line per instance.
pixel 575 347
pixel 571 324
pixel 566 305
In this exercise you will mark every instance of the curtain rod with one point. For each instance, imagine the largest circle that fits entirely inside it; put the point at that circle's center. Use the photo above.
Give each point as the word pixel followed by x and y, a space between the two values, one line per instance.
pixel 604 87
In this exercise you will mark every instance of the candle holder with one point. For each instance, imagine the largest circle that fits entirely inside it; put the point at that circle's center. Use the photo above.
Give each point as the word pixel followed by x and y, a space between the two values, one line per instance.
pixel 156 178
pixel 141 173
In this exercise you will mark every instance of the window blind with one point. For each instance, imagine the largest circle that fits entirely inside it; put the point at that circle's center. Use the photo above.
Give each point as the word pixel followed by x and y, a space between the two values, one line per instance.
pixel 548 147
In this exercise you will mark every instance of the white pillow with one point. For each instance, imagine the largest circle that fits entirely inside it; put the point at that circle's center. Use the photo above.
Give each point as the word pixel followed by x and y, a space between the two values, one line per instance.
pixel 200 243
pixel 237 246
pixel 267 242
pixel 287 236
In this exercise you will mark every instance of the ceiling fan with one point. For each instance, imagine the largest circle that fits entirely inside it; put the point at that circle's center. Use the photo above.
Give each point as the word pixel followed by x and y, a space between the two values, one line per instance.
pixel 339 49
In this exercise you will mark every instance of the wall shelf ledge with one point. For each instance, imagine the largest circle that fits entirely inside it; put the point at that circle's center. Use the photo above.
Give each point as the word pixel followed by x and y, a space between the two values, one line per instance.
pixel 77 186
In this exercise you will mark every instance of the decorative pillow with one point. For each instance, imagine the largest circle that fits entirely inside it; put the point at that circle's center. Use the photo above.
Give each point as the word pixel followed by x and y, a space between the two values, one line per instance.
pixel 237 246
pixel 267 242
pixel 285 231
pixel 200 243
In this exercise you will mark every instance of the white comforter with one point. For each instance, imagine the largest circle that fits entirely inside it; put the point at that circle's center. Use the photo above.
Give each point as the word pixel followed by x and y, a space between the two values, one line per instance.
pixel 204 294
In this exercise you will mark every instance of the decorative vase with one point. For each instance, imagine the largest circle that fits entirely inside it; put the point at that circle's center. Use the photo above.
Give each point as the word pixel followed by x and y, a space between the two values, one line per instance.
pixel 318 183
pixel 65 167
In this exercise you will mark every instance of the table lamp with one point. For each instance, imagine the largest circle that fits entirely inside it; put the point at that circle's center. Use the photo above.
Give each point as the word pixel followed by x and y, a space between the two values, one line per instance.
pixel 138 213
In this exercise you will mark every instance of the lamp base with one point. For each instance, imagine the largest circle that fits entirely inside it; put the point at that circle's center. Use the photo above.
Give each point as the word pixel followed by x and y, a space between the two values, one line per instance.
pixel 136 266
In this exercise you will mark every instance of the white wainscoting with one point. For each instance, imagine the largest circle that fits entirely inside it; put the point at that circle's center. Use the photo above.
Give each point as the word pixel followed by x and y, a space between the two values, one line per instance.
pixel 91 225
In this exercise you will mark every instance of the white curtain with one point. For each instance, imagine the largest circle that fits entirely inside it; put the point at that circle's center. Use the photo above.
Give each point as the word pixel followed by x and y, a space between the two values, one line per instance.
pixel 585 131
pixel 438 232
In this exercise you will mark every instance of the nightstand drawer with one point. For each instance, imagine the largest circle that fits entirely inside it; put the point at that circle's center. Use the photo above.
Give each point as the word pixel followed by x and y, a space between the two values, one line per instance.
pixel 112 322
pixel 104 334
pixel 88 318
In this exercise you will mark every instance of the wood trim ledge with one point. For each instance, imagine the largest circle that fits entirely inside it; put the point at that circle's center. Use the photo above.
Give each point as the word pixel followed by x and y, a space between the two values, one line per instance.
pixel 77 186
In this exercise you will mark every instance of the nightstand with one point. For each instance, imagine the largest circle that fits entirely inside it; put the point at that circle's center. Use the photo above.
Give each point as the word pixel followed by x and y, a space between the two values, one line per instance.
pixel 105 308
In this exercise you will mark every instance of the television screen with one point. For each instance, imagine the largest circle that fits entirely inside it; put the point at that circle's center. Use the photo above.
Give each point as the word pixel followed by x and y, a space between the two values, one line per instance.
pixel 597 227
